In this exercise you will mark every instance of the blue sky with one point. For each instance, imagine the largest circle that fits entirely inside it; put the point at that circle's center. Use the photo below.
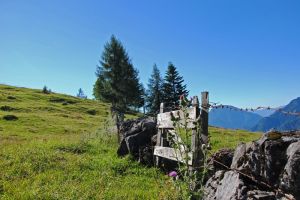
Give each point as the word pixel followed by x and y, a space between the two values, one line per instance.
pixel 245 53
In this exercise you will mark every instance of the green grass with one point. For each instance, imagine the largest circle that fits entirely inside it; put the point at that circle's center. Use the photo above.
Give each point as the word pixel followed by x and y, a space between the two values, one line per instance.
pixel 227 138
pixel 62 147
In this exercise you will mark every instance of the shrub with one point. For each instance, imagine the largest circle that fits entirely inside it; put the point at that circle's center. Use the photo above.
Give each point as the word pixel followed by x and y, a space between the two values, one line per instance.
pixel 45 90
pixel 6 108
pixel 11 98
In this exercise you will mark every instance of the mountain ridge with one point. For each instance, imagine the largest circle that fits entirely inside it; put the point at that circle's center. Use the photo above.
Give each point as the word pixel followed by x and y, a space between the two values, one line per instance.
pixel 279 120
pixel 233 118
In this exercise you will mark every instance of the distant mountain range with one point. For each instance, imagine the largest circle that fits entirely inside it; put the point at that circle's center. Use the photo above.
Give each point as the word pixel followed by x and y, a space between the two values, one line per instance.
pixel 264 112
pixel 281 121
pixel 264 120
pixel 232 117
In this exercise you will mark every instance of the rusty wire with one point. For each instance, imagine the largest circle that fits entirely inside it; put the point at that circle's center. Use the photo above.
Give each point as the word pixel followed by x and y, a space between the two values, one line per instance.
pixel 221 106
pixel 213 105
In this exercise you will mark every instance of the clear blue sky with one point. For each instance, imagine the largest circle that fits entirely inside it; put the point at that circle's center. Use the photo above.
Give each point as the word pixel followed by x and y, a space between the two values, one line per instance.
pixel 245 53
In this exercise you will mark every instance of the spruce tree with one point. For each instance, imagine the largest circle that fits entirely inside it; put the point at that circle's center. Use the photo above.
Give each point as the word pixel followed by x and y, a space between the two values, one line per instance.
pixel 81 94
pixel 117 80
pixel 154 92
pixel 173 86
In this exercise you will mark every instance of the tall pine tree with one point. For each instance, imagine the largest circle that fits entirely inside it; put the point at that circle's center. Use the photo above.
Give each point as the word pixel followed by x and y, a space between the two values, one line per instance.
pixel 117 80
pixel 173 86
pixel 154 92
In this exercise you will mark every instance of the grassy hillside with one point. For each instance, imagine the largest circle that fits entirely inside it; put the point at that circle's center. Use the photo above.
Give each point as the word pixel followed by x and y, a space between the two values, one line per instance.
pixel 55 146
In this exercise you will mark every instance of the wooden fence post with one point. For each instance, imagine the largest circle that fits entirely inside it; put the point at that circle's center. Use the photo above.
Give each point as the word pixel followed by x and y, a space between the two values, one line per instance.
pixel 160 132
pixel 196 149
pixel 204 117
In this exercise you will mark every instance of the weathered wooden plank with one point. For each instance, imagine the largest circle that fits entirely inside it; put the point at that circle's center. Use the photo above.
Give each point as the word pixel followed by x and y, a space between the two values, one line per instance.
pixel 177 139
pixel 166 120
pixel 204 117
pixel 160 138
pixel 172 154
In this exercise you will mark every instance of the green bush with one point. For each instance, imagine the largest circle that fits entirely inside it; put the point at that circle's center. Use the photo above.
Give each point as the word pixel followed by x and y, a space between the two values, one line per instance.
pixel 6 108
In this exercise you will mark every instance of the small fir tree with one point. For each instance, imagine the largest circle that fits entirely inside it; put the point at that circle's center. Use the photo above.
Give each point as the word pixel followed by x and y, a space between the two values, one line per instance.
pixel 45 90
pixel 154 92
pixel 173 87
pixel 81 94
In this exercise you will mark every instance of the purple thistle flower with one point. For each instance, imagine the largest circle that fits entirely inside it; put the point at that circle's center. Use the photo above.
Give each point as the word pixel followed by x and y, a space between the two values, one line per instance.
pixel 173 174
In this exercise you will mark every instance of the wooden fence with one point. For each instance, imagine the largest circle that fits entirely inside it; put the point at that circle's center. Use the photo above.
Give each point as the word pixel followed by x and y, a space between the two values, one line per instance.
pixel 197 121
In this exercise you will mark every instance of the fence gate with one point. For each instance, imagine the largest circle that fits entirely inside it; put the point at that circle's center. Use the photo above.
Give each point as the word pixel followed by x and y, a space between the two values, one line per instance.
pixel 166 130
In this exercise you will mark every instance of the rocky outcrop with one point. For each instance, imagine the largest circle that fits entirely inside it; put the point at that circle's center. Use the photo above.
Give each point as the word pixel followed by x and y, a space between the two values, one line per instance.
pixel 137 139
pixel 290 179
pixel 224 159
pixel 265 169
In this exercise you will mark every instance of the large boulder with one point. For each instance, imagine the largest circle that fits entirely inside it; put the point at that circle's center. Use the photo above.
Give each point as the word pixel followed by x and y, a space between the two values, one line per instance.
pixel 136 138
pixel 262 159
pixel 265 169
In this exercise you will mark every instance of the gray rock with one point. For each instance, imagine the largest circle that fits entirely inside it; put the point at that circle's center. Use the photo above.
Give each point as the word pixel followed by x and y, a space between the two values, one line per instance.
pixel 247 158
pixel 290 181
pixel 230 187
pixel 225 186
pixel 212 185
pixel 263 159
pixel 274 164
pixel 223 156
pixel 274 160
pixel 239 156
pixel 135 135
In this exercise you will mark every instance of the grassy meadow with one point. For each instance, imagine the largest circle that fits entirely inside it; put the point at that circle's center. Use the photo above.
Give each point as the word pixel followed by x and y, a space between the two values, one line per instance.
pixel 55 146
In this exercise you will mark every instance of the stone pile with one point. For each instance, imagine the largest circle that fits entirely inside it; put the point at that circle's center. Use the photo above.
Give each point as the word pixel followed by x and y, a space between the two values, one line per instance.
pixel 265 169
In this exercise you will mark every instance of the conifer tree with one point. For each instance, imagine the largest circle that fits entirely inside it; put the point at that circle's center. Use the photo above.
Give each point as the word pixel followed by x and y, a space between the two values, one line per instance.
pixel 173 86
pixel 81 94
pixel 117 80
pixel 154 92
